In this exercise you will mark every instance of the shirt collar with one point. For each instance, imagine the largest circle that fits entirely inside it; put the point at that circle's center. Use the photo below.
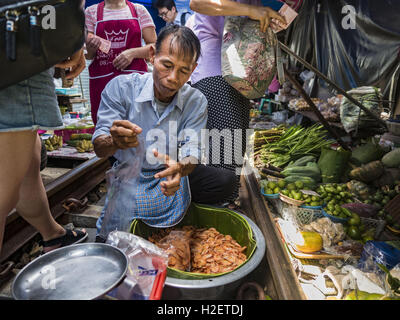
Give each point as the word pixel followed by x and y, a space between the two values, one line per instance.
pixel 147 94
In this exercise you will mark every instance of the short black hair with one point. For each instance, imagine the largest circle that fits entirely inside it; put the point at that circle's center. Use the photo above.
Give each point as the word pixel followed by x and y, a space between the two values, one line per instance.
pixel 169 4
pixel 187 41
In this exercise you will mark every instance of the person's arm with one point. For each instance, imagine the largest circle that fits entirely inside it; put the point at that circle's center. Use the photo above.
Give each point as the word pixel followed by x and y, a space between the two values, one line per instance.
pixel 76 63
pixel 113 132
pixel 232 8
pixel 92 42
pixel 123 135
pixel 126 57
pixel 92 45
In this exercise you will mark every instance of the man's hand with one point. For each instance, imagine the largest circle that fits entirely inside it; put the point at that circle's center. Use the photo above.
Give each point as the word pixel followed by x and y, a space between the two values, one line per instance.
pixel 124 134
pixel 264 15
pixel 173 173
pixel 124 59
pixel 76 62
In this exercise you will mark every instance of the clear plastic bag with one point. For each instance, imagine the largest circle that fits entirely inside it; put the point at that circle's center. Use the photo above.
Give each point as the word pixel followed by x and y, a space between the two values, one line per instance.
pixel 147 268
pixel 177 246
pixel 122 181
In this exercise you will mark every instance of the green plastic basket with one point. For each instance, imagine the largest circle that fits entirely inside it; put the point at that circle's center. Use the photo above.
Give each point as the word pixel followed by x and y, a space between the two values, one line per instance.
pixel 223 220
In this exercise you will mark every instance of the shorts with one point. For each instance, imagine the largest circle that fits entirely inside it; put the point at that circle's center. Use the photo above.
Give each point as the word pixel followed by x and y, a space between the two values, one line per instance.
pixel 30 105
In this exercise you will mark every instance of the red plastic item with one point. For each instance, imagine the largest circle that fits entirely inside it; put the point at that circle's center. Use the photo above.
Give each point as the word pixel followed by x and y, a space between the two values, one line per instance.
pixel 158 286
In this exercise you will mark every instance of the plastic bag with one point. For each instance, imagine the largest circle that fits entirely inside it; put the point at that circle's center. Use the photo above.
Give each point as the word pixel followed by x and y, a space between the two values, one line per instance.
pixel 248 56
pixel 122 180
pixel 177 246
pixel 333 164
pixel 280 117
pixel 147 268
pixel 352 116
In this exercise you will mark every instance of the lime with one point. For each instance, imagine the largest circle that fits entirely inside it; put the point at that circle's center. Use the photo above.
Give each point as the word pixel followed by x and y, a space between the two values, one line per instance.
pixel 291 186
pixel 277 190
pixel 297 196
pixel 285 192
pixel 354 220
pixel 354 233
pixel 299 184
pixel 269 191
pixel 314 204
pixel 281 184
pixel 271 185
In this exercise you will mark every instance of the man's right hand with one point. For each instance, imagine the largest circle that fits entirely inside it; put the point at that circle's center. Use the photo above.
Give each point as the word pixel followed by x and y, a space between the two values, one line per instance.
pixel 124 134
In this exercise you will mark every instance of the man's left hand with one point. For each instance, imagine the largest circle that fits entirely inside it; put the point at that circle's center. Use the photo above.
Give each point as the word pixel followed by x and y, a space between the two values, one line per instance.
pixel 123 60
pixel 173 173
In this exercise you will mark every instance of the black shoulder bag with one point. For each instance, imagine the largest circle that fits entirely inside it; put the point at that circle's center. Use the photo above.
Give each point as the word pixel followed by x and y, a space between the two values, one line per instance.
pixel 37 34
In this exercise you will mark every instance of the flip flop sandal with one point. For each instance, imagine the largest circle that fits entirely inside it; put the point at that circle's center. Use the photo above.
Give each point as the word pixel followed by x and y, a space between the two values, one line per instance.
pixel 66 240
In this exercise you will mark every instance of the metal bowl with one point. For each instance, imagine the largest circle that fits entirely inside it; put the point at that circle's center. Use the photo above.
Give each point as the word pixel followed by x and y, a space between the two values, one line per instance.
pixel 78 272
pixel 222 287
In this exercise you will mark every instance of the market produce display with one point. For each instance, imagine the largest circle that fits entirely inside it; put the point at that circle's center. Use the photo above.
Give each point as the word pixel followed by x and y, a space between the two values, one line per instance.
pixel 295 143
pixel 53 143
pixel 300 104
pixel 81 141
pixel 200 250
pixel 338 201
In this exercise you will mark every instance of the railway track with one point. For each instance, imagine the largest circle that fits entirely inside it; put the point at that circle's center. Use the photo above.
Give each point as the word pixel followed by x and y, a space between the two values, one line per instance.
pixel 80 181
pixel 76 183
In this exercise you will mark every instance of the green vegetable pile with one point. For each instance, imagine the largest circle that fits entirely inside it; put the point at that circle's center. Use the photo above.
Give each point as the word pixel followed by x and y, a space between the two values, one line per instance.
pixel 295 143
pixel 380 199
pixel 334 194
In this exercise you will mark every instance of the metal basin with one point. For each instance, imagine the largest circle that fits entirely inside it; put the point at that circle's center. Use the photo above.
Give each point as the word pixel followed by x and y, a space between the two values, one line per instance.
pixel 77 272
pixel 217 288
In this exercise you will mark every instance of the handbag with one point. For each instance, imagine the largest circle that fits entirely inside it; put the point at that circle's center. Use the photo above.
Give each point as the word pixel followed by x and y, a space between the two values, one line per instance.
pixel 37 34
pixel 248 56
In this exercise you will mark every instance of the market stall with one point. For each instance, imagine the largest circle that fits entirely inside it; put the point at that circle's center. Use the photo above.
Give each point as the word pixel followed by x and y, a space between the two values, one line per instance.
pixel 334 203
pixel 326 183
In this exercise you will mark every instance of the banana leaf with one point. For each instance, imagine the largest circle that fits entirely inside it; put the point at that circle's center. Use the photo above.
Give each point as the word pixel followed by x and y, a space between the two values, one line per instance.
pixel 225 221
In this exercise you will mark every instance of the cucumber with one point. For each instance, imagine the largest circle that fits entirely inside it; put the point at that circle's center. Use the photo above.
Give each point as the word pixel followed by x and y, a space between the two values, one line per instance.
pixel 81 136
pixel 309 182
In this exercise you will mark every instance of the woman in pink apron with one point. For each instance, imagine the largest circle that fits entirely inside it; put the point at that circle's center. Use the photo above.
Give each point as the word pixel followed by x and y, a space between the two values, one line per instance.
pixel 121 25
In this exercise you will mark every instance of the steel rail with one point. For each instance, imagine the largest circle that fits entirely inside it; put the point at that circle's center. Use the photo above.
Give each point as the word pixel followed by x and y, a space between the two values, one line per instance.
pixel 76 183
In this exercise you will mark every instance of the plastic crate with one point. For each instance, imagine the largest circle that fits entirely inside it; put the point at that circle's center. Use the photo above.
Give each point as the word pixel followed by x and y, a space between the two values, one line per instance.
pixel 306 216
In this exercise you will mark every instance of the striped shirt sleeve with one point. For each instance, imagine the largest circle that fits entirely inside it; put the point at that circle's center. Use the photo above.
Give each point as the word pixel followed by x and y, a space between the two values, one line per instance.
pixel 91 17
pixel 144 16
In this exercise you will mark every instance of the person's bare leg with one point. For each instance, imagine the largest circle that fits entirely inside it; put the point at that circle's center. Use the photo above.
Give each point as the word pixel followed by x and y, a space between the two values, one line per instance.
pixel 16 149
pixel 21 185
pixel 33 204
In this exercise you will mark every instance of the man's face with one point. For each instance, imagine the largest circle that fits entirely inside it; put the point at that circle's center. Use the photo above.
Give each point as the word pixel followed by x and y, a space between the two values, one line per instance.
pixel 167 15
pixel 170 70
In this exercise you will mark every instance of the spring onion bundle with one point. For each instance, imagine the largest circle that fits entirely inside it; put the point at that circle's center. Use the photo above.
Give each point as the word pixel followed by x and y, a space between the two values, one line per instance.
pixel 296 142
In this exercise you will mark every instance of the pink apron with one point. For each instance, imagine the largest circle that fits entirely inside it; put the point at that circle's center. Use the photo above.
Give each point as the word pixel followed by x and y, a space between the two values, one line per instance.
pixel 123 34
